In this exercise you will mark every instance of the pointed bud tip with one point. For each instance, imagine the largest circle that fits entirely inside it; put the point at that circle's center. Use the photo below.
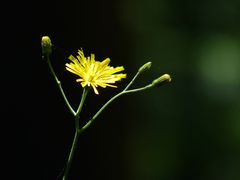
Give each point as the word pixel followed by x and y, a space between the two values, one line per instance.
pixel 162 79
pixel 145 67
pixel 46 45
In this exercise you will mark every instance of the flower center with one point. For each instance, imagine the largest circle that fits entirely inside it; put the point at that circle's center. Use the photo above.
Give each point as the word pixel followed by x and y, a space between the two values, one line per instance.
pixel 90 78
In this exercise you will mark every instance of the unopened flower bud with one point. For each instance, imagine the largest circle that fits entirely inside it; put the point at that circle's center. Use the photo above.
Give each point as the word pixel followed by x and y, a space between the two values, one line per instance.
pixel 46 46
pixel 145 67
pixel 161 80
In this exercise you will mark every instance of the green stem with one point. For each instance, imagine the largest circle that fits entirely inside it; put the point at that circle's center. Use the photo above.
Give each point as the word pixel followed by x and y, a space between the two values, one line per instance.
pixel 136 75
pixel 71 154
pixel 110 101
pixel 76 136
pixel 99 111
pixel 84 95
pixel 77 114
pixel 139 89
pixel 60 86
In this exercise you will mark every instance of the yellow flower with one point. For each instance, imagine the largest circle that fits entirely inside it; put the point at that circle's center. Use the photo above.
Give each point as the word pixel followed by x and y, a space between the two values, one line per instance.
pixel 94 73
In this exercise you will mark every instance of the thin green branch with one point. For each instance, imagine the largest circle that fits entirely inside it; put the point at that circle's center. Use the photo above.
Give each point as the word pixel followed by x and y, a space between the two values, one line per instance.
pixel 60 86
pixel 77 114
pixel 112 99
pixel 138 89
pixel 99 111
pixel 136 75
pixel 84 95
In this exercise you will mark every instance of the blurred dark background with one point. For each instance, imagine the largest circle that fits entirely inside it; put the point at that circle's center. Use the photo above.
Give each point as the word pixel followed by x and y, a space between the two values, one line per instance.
pixel 186 130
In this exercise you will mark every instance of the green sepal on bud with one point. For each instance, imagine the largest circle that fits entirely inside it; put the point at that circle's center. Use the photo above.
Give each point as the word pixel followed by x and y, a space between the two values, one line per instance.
pixel 145 67
pixel 161 80
pixel 46 46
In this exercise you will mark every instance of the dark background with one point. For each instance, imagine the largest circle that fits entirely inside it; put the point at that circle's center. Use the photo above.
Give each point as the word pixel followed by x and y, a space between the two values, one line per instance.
pixel 188 129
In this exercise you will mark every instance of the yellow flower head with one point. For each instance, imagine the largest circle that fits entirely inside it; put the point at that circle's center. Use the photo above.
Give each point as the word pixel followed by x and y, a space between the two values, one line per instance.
pixel 94 73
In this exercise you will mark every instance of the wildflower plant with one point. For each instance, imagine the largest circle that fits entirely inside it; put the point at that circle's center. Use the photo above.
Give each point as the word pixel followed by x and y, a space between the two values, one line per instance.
pixel 92 74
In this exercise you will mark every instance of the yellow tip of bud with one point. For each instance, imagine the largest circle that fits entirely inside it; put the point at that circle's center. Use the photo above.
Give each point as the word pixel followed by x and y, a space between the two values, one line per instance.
pixel 145 67
pixel 161 80
pixel 46 46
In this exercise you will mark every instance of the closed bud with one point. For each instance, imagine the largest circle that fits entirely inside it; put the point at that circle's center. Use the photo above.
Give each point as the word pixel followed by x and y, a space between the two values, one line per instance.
pixel 161 80
pixel 145 67
pixel 46 46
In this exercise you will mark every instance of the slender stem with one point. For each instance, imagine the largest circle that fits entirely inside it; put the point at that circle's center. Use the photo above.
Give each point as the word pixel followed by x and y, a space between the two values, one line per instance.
pixel 76 136
pixel 60 86
pixel 71 154
pixel 84 95
pixel 77 115
pixel 138 89
pixel 110 101
pixel 99 111
pixel 136 75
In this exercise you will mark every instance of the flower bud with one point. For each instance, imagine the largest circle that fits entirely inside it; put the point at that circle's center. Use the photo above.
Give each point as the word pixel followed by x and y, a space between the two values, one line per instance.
pixel 161 80
pixel 145 67
pixel 46 46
